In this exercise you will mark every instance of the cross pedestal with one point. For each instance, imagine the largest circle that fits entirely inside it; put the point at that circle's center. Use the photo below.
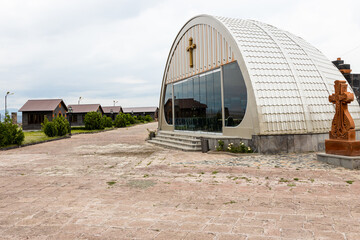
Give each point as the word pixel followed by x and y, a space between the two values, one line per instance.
pixel 342 149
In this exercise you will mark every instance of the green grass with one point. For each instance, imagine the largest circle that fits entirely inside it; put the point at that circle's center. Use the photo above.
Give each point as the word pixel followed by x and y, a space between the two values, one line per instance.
pixel 349 182
pixel 36 136
pixel 75 130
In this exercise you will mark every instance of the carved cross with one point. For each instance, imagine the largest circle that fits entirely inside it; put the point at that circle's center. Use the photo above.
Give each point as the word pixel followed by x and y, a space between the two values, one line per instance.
pixel 343 126
pixel 190 49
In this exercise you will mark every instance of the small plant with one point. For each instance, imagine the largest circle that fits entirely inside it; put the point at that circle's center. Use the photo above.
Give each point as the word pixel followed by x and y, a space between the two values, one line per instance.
pixel 110 183
pixel 214 172
pixel 152 134
pixel 230 202
pixel 146 175
pixel 221 145
pixel 291 185
pixel 283 180
pixel 241 148
pixel 296 179
pixel 349 182
pixel 247 179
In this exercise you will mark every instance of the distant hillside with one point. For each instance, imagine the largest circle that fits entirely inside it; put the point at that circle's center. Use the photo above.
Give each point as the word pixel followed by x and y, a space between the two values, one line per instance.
pixel 10 110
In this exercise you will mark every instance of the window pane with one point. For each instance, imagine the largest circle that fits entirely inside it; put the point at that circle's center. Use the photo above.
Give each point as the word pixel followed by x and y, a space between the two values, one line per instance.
pixel 195 103
pixel 168 104
pixel 235 95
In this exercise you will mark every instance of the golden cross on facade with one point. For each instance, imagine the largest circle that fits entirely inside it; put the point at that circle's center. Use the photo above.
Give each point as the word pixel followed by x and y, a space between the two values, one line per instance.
pixel 343 126
pixel 190 49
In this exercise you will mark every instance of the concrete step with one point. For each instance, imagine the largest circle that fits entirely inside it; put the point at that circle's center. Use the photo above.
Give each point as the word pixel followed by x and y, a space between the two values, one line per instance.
pixel 180 142
pixel 175 145
pixel 175 134
pixel 179 138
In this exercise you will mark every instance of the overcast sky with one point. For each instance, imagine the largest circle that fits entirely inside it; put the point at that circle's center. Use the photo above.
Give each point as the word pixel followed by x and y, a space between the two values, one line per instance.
pixel 105 50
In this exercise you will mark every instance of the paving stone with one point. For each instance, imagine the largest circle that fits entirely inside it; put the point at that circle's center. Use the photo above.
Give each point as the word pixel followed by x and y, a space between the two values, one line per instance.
pixel 158 193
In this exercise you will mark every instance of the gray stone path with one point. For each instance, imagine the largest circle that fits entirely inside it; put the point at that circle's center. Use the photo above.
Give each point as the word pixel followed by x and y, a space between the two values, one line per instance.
pixel 113 185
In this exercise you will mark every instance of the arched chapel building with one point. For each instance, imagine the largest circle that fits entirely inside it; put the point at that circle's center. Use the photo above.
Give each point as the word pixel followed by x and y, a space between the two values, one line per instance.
pixel 243 80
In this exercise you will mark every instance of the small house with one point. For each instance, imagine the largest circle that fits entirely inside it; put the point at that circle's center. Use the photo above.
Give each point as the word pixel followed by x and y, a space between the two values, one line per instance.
pixel 112 111
pixel 79 111
pixel 35 111
pixel 143 111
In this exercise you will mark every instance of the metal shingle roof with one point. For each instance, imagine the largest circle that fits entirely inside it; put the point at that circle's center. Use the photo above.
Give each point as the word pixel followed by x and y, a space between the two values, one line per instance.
pixel 291 79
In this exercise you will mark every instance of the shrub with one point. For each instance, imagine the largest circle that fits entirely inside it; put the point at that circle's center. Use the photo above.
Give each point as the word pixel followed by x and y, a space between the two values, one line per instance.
pixel 10 133
pixel 221 145
pixel 93 121
pixel 148 118
pixel 129 119
pixel 106 121
pixel 120 120
pixel 140 118
pixel 49 129
pixel 241 148
pixel 62 126
pixel 58 127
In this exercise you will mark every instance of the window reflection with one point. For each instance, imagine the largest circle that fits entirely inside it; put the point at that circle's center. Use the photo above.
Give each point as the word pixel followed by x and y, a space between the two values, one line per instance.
pixel 168 104
pixel 196 106
pixel 197 100
pixel 235 95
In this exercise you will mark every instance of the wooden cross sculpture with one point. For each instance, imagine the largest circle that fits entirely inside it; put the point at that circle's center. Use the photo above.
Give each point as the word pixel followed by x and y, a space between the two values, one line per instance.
pixel 190 49
pixel 342 135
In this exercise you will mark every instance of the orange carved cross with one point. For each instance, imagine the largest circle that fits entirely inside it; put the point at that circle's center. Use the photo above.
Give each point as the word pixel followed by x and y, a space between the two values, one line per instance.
pixel 190 49
pixel 343 126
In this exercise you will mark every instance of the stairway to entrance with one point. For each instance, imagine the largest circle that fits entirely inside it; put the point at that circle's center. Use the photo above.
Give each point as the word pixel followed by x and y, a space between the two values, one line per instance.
pixel 182 141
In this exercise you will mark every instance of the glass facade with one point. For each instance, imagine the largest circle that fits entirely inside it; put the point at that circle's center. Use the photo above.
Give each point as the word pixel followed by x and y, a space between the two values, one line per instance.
pixel 235 95
pixel 198 103
pixel 168 104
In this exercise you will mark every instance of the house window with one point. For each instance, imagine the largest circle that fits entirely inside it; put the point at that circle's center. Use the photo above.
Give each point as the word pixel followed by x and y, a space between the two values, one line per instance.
pixel 73 118
pixel 36 118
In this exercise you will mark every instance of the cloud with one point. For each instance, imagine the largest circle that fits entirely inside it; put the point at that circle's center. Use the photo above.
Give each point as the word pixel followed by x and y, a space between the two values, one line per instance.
pixel 117 49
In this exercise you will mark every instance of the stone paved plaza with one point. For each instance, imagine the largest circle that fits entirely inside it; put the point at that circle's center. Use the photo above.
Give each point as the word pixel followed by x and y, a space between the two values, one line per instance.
pixel 114 185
